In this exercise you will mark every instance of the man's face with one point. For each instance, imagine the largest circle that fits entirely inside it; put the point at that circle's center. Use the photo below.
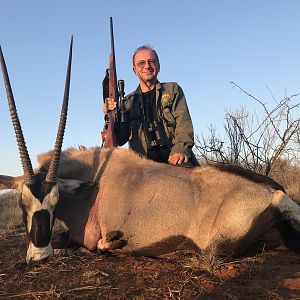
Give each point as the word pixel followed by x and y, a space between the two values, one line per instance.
pixel 146 66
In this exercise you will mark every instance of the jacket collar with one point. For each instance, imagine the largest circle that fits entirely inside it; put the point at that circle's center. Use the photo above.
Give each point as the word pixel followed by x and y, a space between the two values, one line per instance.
pixel 158 87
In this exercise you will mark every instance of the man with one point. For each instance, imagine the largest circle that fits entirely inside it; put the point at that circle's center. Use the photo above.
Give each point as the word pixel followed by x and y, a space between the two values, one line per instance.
pixel 158 123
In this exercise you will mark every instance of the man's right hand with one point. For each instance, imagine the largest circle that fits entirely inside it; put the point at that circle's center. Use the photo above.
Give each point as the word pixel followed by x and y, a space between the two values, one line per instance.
pixel 110 104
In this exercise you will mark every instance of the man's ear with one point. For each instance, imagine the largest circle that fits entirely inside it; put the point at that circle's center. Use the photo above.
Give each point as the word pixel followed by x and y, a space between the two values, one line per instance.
pixel 71 185
pixel 133 70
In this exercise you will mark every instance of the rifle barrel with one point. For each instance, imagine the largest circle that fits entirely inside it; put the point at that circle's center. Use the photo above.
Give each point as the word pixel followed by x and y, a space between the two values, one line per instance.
pixel 113 55
pixel 112 35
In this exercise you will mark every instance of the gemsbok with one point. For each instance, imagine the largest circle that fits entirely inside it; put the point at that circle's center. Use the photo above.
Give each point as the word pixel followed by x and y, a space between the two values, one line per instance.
pixel 111 199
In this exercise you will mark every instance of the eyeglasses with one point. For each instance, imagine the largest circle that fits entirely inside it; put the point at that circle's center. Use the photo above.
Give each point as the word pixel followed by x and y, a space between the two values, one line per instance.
pixel 142 63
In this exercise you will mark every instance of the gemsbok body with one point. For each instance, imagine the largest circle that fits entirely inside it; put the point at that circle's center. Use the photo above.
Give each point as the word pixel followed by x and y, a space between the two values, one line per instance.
pixel 111 199
pixel 115 199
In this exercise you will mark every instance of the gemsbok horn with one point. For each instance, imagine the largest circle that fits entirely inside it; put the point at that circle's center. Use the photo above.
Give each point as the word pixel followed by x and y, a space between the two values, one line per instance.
pixel 39 193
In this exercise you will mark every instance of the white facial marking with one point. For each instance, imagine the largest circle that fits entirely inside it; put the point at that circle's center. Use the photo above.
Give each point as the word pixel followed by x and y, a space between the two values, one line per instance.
pixel 35 253
pixel 33 205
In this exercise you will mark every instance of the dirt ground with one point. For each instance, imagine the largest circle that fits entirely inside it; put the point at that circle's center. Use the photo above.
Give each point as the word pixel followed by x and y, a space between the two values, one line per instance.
pixel 265 274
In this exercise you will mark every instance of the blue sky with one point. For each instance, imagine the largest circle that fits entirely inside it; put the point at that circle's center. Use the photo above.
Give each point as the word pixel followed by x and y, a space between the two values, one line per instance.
pixel 203 45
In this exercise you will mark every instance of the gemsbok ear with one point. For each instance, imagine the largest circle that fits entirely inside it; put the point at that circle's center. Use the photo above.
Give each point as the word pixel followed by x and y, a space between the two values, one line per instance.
pixel 72 185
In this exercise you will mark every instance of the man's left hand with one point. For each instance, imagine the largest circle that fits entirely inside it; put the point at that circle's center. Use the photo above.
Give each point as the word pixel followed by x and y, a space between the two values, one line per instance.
pixel 177 159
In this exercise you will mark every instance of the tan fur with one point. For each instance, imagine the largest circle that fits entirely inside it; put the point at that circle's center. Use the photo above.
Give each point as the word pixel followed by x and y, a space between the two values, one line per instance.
pixel 159 208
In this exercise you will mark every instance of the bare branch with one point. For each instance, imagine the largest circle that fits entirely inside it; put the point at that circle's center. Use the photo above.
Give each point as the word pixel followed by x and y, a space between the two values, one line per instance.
pixel 255 142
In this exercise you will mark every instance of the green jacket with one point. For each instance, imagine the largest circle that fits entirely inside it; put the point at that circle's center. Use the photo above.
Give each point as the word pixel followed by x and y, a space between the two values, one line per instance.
pixel 173 113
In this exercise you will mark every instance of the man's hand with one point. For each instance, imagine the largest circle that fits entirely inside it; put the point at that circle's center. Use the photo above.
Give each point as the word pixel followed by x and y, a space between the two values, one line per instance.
pixel 177 159
pixel 110 104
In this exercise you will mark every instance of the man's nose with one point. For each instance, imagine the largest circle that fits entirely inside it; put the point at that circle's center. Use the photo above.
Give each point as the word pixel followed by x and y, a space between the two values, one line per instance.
pixel 147 65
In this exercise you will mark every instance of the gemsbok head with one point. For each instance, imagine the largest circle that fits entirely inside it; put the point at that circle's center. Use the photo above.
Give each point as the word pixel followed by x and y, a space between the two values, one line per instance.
pixel 38 192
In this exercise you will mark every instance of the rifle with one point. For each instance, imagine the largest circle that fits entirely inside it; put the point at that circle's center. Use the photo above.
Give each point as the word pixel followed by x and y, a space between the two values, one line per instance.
pixel 112 89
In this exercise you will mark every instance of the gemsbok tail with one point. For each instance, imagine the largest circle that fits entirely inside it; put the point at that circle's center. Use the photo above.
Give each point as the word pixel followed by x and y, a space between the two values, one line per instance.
pixel 290 226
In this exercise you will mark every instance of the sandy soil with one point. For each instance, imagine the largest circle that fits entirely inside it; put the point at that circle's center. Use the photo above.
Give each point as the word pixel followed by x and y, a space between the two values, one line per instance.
pixel 265 274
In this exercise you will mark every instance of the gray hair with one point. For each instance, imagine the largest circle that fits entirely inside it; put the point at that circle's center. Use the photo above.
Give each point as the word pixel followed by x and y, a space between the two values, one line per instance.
pixel 144 47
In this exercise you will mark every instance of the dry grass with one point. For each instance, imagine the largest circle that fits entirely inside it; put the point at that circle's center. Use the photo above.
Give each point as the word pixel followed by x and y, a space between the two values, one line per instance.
pixel 10 212
pixel 209 262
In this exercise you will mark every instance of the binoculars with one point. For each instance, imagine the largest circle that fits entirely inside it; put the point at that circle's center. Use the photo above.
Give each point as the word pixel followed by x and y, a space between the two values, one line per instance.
pixel 153 135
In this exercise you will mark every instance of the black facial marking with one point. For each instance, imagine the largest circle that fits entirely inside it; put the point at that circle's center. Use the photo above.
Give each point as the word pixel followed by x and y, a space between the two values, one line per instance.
pixel 40 233
pixel 40 188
